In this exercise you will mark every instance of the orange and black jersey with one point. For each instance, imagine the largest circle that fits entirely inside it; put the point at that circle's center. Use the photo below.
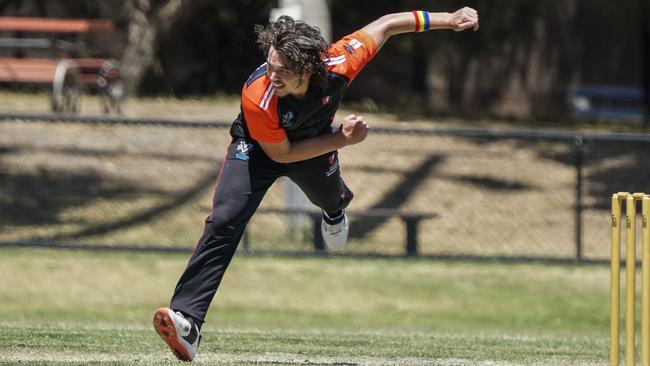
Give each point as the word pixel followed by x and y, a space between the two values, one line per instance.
pixel 266 118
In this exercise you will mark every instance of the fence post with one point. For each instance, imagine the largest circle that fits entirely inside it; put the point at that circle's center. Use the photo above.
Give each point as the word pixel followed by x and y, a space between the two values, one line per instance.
pixel 579 147
pixel 645 59
pixel 411 235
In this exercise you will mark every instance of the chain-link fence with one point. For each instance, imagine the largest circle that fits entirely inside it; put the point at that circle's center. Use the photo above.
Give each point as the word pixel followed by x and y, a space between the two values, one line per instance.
pixel 519 194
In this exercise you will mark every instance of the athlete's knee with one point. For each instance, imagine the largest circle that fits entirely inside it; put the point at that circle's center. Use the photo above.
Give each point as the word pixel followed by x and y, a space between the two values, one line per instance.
pixel 219 227
pixel 340 202
pixel 346 197
pixel 222 222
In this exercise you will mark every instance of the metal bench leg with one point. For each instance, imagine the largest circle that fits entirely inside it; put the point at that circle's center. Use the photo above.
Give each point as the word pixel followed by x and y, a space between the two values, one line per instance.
pixel 411 236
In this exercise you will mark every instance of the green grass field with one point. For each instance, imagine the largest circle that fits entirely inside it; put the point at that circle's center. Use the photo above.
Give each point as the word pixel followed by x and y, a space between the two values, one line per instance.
pixel 76 308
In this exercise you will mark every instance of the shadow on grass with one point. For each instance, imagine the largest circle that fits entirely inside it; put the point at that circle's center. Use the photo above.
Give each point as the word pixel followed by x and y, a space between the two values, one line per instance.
pixel 109 153
pixel 413 179
pixel 493 184
pixel 609 167
pixel 177 199
pixel 39 197
pixel 396 197
pixel 615 167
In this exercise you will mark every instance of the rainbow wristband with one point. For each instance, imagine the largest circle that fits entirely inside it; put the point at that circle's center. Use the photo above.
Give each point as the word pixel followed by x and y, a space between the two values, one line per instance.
pixel 421 21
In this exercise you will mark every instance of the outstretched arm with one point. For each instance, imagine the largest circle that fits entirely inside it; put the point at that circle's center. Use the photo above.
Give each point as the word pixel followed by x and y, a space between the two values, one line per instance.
pixel 396 23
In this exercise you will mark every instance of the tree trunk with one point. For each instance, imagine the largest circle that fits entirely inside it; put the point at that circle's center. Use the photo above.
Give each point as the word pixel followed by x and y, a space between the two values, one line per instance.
pixel 149 20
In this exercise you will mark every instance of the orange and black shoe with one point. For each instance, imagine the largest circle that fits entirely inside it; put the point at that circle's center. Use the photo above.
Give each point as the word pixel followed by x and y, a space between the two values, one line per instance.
pixel 181 335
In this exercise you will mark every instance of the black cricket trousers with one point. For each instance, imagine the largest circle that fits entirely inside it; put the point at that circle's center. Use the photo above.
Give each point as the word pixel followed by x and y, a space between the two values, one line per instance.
pixel 246 174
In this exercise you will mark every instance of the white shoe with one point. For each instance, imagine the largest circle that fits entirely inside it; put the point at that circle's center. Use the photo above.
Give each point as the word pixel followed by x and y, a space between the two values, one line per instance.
pixel 335 236
pixel 177 332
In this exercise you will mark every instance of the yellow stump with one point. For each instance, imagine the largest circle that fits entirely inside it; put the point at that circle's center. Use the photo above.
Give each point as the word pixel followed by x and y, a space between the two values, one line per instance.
pixel 630 275
pixel 615 293
pixel 645 282
pixel 630 278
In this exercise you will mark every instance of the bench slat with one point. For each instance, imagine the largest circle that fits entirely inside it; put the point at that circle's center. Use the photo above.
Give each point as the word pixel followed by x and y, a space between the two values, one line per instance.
pixel 39 70
pixel 374 212
pixel 54 25
pixel 8 42
pixel 410 219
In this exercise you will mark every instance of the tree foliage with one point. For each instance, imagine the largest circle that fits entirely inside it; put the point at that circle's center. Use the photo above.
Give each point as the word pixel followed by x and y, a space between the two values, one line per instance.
pixel 521 62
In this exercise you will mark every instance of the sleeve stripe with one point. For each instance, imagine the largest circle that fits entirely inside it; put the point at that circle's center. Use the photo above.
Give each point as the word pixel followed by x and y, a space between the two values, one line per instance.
pixel 332 63
pixel 355 43
pixel 335 60
pixel 330 59
pixel 349 55
pixel 267 97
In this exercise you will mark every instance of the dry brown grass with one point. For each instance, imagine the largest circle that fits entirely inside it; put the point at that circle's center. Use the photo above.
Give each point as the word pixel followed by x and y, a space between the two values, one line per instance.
pixel 152 185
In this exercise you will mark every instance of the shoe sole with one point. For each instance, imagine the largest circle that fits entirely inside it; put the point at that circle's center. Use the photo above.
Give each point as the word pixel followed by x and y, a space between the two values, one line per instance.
pixel 164 326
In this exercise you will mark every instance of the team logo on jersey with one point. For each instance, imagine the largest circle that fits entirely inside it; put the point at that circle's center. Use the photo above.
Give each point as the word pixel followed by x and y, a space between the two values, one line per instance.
pixel 333 162
pixel 354 43
pixel 349 49
pixel 287 119
pixel 243 151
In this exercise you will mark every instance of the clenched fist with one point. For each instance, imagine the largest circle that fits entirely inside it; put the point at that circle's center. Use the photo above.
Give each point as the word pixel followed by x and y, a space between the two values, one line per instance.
pixel 354 129
pixel 463 19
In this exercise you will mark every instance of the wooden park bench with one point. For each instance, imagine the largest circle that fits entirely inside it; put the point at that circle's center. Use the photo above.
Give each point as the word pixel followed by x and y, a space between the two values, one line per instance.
pixel 411 221
pixel 23 42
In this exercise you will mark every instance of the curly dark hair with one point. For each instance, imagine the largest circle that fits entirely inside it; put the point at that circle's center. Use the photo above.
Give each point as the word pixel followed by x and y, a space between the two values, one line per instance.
pixel 301 45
